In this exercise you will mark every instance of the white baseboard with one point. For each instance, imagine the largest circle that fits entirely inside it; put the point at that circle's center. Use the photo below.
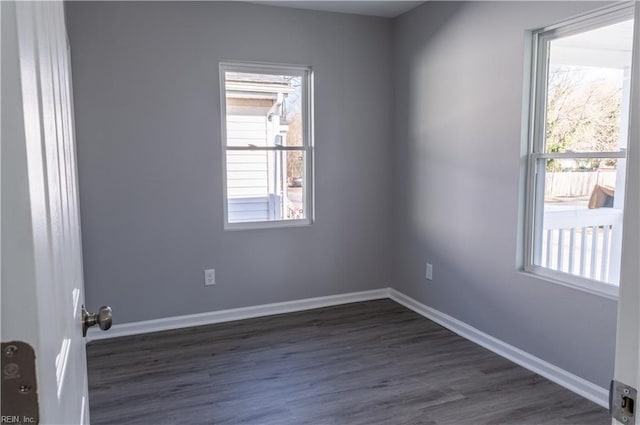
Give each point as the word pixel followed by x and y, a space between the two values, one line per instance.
pixel 560 376
pixel 572 382
pixel 209 318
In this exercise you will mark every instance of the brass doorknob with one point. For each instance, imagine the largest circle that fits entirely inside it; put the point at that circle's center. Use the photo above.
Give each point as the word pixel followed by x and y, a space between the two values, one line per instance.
pixel 102 318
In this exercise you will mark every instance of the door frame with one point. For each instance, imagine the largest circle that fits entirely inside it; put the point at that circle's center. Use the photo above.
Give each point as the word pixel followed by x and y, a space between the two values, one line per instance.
pixel 627 363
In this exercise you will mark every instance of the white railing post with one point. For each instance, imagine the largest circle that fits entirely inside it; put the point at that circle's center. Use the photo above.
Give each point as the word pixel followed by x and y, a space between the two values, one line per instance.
pixel 599 256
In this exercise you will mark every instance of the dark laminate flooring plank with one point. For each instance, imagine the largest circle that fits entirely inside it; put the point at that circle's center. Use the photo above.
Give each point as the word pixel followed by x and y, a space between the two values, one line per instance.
pixel 364 363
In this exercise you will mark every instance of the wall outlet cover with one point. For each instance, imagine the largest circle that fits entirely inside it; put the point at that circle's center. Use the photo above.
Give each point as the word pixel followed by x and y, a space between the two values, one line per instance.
pixel 209 277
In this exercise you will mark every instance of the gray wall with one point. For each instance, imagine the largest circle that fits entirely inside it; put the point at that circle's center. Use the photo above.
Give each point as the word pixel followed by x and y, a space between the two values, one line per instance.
pixel 145 78
pixel 459 102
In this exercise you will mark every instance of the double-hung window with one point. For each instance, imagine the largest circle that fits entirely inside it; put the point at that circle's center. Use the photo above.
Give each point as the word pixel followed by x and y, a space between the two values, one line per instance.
pixel 578 137
pixel 267 145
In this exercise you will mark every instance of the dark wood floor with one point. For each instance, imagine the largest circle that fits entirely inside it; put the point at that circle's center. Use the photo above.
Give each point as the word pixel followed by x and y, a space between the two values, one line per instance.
pixel 364 363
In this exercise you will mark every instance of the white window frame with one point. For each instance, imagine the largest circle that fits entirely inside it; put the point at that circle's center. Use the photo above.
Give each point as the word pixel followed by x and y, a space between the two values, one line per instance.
pixel 306 74
pixel 536 132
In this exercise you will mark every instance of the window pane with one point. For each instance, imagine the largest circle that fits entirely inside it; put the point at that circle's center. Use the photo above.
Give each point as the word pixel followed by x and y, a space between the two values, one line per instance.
pixel 295 185
pixel 587 90
pixel 263 109
pixel 581 221
pixel 266 143
pixel 265 185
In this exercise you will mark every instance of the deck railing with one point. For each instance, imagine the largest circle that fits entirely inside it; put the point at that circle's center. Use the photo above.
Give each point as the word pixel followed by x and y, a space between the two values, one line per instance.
pixel 585 242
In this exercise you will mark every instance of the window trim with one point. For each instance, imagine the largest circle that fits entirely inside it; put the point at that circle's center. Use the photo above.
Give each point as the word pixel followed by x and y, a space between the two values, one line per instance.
pixel 536 105
pixel 306 74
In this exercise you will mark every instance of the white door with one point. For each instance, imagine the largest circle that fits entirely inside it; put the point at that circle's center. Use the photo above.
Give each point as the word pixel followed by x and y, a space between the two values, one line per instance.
pixel 42 279
pixel 627 369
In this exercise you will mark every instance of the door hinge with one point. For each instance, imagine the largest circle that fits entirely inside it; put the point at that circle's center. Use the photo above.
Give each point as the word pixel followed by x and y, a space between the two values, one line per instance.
pixel 622 402
pixel 19 385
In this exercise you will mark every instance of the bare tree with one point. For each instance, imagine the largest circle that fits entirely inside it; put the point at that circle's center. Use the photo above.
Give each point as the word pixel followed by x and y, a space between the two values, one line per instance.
pixel 582 114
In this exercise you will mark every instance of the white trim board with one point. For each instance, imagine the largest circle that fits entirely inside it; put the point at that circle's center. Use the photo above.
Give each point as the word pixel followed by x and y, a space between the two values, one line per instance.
pixel 572 382
pixel 560 376
pixel 209 318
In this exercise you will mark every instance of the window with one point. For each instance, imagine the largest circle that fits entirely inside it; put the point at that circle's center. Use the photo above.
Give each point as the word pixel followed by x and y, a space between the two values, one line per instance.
pixel 578 138
pixel 267 145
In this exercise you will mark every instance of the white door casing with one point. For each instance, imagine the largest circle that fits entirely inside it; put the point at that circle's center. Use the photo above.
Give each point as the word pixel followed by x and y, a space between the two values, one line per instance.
pixel 627 368
pixel 42 278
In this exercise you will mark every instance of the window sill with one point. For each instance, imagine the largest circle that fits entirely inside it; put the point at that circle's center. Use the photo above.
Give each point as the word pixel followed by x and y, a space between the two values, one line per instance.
pixel 275 224
pixel 601 289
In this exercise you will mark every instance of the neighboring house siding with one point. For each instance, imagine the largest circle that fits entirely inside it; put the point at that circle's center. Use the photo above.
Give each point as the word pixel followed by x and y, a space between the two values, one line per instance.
pixel 247 172
pixel 243 130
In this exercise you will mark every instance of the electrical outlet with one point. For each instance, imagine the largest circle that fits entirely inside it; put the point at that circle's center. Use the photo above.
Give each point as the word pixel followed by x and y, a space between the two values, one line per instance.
pixel 209 277
pixel 429 273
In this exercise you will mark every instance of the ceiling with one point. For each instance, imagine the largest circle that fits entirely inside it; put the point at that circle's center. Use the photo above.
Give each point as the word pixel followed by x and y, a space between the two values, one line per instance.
pixel 382 8
pixel 609 46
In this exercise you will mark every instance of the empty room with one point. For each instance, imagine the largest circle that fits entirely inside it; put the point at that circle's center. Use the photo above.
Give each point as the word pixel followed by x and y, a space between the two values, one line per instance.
pixel 320 212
